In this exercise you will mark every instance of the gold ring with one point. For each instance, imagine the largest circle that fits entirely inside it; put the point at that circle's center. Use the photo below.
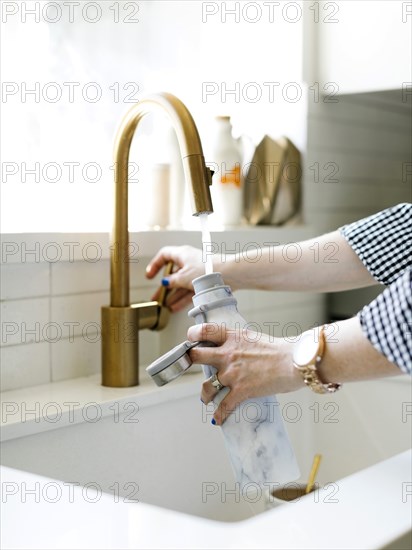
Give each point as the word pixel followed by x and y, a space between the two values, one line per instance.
pixel 216 382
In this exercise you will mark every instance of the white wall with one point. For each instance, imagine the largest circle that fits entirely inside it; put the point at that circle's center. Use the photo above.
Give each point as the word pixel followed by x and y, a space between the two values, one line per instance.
pixel 170 46
pixel 358 162
pixel 364 46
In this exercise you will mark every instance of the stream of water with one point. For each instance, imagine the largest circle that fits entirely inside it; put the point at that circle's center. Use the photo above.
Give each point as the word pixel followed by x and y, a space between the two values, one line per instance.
pixel 206 243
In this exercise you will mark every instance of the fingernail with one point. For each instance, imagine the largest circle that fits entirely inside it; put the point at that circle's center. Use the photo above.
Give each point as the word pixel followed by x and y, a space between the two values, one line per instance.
pixel 213 421
pixel 202 400
pixel 165 281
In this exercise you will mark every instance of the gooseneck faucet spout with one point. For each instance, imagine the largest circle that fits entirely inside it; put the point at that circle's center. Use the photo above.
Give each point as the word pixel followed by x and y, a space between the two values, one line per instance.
pixel 121 321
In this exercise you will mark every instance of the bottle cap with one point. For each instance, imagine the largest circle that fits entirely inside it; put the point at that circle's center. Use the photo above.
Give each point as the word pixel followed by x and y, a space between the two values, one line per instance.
pixel 173 363
pixel 205 282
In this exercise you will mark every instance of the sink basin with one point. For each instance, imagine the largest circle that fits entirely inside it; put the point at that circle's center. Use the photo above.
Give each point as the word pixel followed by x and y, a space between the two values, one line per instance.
pixel 159 447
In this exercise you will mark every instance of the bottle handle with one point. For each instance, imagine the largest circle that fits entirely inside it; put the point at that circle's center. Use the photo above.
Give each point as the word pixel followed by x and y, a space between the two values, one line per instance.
pixel 174 362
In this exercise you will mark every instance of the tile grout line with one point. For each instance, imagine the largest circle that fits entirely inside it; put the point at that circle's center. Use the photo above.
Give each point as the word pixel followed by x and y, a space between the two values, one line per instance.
pixel 72 294
pixel 50 315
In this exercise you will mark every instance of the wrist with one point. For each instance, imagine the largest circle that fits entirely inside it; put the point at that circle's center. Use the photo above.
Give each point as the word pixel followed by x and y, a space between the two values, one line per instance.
pixel 226 268
pixel 308 354
pixel 286 378
pixel 296 380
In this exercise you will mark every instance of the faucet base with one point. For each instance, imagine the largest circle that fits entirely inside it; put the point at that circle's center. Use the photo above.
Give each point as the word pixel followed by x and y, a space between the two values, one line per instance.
pixel 120 346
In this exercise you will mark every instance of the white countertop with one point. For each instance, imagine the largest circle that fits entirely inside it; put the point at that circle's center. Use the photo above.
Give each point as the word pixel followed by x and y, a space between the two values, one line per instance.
pixel 32 410
pixel 371 511
pixel 374 506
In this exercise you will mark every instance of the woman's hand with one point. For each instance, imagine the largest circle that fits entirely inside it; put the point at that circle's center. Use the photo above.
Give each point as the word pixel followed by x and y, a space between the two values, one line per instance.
pixel 188 260
pixel 250 364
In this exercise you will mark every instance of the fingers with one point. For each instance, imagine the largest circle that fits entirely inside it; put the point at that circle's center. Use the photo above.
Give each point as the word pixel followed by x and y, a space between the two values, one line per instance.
pixel 209 332
pixel 175 281
pixel 218 357
pixel 178 299
pixel 212 332
pixel 164 255
pixel 226 407
pixel 209 391
pixel 207 356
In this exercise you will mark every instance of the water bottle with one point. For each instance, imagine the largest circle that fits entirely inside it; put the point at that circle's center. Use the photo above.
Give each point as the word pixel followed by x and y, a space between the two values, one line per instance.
pixel 254 433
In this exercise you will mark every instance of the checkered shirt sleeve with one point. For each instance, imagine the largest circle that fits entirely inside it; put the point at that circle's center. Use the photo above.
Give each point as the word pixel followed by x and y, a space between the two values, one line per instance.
pixel 383 243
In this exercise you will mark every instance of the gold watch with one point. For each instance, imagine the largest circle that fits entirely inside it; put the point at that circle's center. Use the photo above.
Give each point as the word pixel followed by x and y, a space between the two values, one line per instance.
pixel 307 355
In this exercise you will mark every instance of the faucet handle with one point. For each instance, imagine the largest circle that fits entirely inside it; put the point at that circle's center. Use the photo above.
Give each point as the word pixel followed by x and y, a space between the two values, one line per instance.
pixel 163 312
pixel 209 175
pixel 163 290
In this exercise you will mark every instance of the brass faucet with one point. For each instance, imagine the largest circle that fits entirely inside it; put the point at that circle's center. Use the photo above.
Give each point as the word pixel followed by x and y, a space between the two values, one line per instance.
pixel 121 321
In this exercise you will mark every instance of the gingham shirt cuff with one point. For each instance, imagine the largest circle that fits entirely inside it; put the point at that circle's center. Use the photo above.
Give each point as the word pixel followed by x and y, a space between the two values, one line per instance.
pixel 383 242
pixel 387 322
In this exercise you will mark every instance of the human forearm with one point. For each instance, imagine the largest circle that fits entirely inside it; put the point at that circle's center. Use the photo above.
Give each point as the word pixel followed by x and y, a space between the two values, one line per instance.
pixel 252 369
pixel 349 356
pixel 323 264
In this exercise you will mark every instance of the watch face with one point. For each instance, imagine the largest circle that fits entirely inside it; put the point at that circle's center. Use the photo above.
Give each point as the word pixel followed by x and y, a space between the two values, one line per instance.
pixel 306 349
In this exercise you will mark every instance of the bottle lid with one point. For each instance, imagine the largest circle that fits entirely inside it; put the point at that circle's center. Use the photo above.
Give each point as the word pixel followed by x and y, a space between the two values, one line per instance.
pixel 205 282
pixel 172 364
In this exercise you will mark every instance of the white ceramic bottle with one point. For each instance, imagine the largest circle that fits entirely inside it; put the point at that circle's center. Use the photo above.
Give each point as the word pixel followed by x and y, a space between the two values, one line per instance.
pixel 179 207
pixel 254 433
pixel 227 192
pixel 157 200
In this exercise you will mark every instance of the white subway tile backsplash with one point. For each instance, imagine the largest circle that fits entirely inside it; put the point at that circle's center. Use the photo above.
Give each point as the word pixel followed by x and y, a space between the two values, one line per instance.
pixel 349 303
pixel 149 346
pixel 77 277
pixel 26 321
pixel 24 280
pixel 361 110
pixel 351 195
pixel 53 247
pixel 144 294
pixel 369 141
pixel 78 313
pixel 290 321
pixel 78 357
pixel 82 276
pixel 331 218
pixel 81 356
pixel 254 300
pixel 351 167
pixel 330 136
pixel 138 274
pixel 175 332
pixel 24 365
pixel 244 300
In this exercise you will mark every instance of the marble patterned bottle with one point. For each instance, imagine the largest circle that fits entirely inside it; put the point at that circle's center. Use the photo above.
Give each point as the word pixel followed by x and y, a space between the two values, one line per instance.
pixel 255 435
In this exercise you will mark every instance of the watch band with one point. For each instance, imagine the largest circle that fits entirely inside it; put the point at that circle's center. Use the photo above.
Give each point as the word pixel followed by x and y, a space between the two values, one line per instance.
pixel 310 373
